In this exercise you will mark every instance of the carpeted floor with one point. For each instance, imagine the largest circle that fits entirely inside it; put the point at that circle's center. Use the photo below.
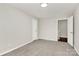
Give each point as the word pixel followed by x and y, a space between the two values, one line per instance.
pixel 44 48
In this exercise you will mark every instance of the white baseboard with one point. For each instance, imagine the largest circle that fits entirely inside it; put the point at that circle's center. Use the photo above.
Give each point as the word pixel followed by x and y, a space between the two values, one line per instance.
pixel 49 39
pixel 16 48
pixel 76 50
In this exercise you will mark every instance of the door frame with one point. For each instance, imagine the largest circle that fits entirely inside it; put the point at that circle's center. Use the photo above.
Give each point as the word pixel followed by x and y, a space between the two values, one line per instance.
pixel 67 29
pixel 57 26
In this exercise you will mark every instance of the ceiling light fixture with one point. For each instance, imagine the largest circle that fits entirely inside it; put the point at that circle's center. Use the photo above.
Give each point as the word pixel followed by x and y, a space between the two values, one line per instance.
pixel 44 4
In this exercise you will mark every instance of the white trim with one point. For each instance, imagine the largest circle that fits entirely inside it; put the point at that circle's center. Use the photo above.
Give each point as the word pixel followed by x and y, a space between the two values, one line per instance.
pixel 48 39
pixel 57 27
pixel 16 47
pixel 76 50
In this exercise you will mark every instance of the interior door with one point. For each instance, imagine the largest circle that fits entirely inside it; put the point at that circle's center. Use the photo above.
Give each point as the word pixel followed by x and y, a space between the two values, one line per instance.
pixel 70 30
pixel 34 29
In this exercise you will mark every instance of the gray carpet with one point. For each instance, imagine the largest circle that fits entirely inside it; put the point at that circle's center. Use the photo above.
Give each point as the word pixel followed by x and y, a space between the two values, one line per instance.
pixel 44 48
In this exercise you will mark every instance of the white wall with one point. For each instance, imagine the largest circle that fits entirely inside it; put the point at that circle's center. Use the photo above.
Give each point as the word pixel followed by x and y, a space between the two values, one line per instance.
pixel 15 28
pixel 76 30
pixel 48 29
